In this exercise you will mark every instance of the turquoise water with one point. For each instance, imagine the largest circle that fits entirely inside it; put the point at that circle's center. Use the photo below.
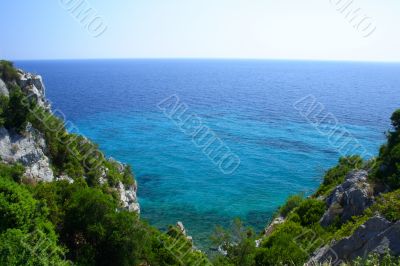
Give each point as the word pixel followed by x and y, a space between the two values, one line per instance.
pixel 249 106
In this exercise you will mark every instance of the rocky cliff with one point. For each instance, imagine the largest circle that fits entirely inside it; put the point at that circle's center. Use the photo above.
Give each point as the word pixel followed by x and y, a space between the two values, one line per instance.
pixel 29 147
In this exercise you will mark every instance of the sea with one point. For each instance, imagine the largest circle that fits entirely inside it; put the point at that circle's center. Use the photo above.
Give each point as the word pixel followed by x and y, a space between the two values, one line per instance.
pixel 281 125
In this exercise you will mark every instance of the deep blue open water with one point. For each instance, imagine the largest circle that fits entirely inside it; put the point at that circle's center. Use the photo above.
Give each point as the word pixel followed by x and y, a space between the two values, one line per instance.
pixel 247 104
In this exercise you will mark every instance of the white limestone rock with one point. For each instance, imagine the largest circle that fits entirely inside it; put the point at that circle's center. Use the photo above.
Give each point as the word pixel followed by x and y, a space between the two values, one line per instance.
pixel 128 197
pixel 3 88
pixel 34 88
pixel 27 149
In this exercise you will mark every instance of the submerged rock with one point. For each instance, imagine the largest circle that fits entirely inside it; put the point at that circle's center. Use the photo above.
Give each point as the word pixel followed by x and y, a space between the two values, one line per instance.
pixel 349 199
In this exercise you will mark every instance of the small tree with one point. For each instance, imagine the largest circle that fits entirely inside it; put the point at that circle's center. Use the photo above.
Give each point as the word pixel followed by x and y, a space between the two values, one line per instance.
pixel 396 120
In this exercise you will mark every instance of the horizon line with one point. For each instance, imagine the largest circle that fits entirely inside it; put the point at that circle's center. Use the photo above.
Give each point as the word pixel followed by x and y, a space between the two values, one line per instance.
pixel 209 58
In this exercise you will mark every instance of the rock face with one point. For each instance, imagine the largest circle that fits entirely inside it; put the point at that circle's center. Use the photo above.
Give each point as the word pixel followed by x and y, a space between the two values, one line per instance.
pixel 29 150
pixel 3 88
pixel 182 229
pixel 349 199
pixel 33 86
pixel 377 235
pixel 128 197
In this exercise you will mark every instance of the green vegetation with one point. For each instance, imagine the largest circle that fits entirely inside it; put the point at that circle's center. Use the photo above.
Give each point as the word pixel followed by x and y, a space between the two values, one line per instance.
pixel 7 71
pixel 293 242
pixel 388 162
pixel 291 203
pixel 59 223
pixel 239 244
pixel 337 174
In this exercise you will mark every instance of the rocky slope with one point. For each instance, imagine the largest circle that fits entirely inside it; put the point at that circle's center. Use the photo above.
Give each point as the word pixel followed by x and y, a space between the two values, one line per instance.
pixel 377 236
pixel 29 148
pixel 349 199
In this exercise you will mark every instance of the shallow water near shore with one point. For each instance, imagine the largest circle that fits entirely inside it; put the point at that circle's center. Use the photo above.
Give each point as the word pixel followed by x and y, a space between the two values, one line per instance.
pixel 249 106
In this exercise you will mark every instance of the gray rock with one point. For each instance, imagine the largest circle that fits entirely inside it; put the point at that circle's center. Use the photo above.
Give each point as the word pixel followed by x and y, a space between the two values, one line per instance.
pixel 377 235
pixel 3 88
pixel 181 227
pixel 32 85
pixel 65 178
pixel 349 199
pixel 27 149
pixel 128 197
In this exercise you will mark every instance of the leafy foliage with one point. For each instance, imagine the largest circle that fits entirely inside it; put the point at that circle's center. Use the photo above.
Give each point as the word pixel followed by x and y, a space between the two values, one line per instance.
pixel 7 71
pixel 337 174
pixel 26 236
pixel 239 244
pixel 291 203
pixel 388 162
pixel 388 205
pixel 56 223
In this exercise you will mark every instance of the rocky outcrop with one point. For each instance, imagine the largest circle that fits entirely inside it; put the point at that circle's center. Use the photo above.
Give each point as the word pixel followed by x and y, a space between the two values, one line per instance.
pixel 128 197
pixel 3 88
pixel 182 229
pixel 28 150
pixel 34 88
pixel 377 235
pixel 348 199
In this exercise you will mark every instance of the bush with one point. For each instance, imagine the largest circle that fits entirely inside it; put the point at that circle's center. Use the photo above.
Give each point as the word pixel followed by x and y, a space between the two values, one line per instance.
pixel 238 242
pixel 388 205
pixel 395 118
pixel 17 207
pixel 291 203
pixel 310 211
pixel 18 110
pixel 11 172
pixel 37 248
pixel 337 174
pixel 280 248
pixel 388 163
pixel 7 71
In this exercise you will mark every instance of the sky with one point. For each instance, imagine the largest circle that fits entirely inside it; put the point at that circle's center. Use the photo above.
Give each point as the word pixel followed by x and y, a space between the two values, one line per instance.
pixel 354 30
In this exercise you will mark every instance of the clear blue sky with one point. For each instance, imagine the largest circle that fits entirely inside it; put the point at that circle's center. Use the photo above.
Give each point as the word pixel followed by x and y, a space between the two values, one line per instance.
pixel 272 29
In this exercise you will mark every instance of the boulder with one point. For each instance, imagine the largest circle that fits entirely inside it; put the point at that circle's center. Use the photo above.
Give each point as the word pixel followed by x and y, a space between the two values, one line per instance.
pixel 377 235
pixel 349 199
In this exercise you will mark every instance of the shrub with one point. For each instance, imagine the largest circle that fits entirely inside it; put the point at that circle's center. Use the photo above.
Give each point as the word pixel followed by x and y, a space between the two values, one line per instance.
pixel 17 207
pixel 310 211
pixel 291 203
pixel 388 205
pixel 11 172
pixel 280 248
pixel 337 174
pixel 238 242
pixel 395 118
pixel 388 162
pixel 7 71
pixel 3 109
pixel 18 110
